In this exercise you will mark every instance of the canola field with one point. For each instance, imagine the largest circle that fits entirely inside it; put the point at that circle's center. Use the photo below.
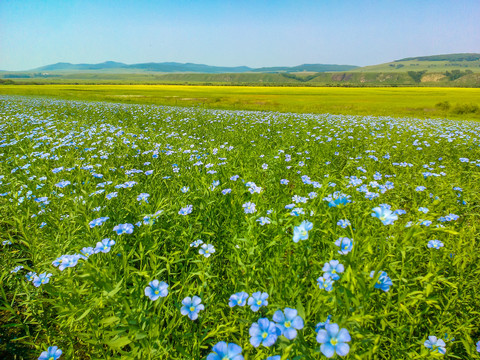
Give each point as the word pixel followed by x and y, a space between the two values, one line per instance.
pixel 153 232
pixel 418 102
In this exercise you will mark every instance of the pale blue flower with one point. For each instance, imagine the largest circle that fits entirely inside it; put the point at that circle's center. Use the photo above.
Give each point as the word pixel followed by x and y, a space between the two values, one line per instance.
pixel 288 322
pixel 16 269
pixel 332 269
pixel 104 245
pixel 343 223
pixel 186 210
pixel 264 332
pixel 156 289
pixel 325 283
pixel 384 282
pixel 224 351
pixel 239 299
pixel 333 340
pixel 345 244
pixel 435 345
pixel 41 279
pixel 301 232
pixel 264 220
pixel 435 244
pixel 386 216
pixel 191 307
pixel 123 229
pixel 52 353
pixel 206 250
pixel 196 243
pixel 257 300
pixel 249 208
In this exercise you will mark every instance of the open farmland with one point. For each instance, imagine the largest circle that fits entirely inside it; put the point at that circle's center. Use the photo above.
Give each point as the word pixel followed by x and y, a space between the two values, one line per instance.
pixel 452 103
pixel 150 232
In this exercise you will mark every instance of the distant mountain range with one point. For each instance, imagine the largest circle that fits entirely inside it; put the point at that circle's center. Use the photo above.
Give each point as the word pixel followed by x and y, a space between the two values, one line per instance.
pixel 174 67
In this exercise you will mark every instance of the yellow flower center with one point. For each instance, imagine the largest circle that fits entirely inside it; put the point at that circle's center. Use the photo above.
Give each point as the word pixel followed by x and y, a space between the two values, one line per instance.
pixel 287 324
pixel 264 335
pixel 259 302
pixel 192 308
pixel 304 233
pixel 156 292
pixel 333 341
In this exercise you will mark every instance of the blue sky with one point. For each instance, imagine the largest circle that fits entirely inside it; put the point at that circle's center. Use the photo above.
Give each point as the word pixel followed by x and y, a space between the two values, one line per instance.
pixel 255 33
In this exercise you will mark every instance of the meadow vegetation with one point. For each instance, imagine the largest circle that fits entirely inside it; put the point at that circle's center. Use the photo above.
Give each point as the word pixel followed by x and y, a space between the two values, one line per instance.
pixel 417 102
pixel 154 232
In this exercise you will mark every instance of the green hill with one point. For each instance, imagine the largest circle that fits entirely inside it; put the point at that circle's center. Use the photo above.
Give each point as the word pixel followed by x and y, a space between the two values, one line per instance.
pixel 431 64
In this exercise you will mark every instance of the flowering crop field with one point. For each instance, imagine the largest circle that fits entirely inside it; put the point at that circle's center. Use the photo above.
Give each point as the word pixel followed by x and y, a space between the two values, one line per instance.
pixel 149 232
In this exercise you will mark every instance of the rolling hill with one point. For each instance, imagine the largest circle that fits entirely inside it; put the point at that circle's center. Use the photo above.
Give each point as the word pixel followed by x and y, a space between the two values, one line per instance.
pixel 435 63
pixel 174 67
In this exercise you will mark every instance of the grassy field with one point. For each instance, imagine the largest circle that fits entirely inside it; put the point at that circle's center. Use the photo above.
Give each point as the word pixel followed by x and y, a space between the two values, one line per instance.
pixel 454 103
pixel 287 228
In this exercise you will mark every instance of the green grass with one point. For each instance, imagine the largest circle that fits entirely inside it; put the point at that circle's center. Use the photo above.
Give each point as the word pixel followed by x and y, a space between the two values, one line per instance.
pixel 97 309
pixel 461 103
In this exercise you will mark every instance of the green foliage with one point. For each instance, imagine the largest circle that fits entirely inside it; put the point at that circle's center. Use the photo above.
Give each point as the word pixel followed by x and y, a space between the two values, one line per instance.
pixel 416 75
pixel 443 105
pixel 98 309
pixel 457 74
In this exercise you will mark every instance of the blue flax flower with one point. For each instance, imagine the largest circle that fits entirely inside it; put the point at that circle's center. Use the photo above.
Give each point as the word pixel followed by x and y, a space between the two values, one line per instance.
pixel 264 332
pixel 333 340
pixel 98 222
pixel 196 243
pixel 156 289
pixel 16 269
pixel 264 220
pixel 41 279
pixel 345 244
pixel 274 357
pixel 186 210
pixel 239 299
pixel 384 282
pixel 435 244
pixel 191 307
pixel 301 232
pixel 332 269
pixel 478 346
pixel 224 351
pixel 337 198
pixel 104 246
pixel 249 208
pixel 435 344
pixel 123 229
pixel 257 300
pixel 52 353
pixel 206 250
pixel 385 215
pixel 343 223
pixel 143 197
pixel 288 323
pixel 325 283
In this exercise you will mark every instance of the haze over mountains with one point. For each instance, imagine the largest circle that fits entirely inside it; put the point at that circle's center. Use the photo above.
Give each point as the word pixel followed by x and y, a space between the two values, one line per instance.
pixel 170 67
pixel 461 70
pixel 432 63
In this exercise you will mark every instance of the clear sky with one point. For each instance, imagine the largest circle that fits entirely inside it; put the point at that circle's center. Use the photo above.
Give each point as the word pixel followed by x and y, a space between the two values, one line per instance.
pixel 255 33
